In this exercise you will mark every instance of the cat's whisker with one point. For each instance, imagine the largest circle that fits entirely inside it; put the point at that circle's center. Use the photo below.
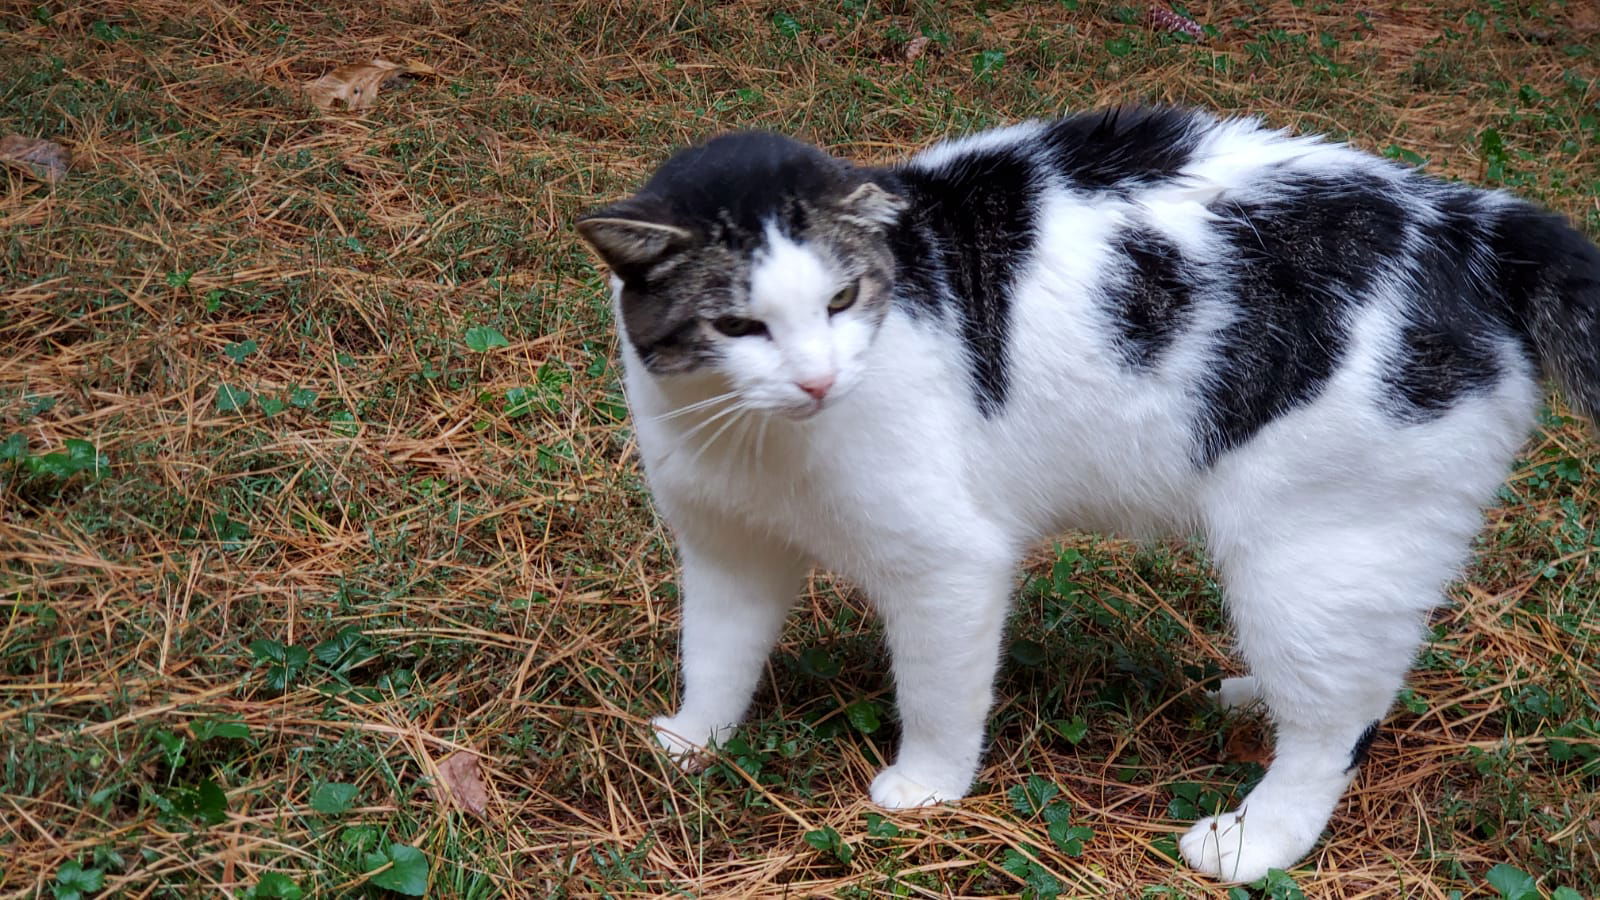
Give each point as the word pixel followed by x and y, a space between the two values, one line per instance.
pixel 706 445
pixel 761 438
pixel 716 416
pixel 692 407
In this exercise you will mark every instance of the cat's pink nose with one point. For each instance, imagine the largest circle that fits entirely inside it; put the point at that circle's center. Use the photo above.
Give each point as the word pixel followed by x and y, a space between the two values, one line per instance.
pixel 816 387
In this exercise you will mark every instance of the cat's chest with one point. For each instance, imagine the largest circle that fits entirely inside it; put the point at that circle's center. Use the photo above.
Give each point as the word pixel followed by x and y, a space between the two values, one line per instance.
pixel 769 478
pixel 855 492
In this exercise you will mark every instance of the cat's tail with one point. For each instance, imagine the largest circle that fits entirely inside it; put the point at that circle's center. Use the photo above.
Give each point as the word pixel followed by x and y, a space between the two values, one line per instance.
pixel 1549 274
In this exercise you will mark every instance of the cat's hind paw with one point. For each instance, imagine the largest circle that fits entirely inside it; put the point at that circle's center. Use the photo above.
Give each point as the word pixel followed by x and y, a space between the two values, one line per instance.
pixel 894 789
pixel 1237 694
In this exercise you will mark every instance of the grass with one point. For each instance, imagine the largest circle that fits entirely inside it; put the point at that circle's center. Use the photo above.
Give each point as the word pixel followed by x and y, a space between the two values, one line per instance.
pixel 315 470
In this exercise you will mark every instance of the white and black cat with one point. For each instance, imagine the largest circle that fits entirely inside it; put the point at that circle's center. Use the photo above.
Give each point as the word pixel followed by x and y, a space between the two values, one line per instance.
pixel 1140 321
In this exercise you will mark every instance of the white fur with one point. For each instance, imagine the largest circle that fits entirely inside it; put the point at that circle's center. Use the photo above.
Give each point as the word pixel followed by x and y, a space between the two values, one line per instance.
pixel 1334 529
pixel 790 287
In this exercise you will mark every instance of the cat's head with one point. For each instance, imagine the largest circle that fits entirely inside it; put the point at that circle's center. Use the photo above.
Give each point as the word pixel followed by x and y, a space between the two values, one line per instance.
pixel 755 258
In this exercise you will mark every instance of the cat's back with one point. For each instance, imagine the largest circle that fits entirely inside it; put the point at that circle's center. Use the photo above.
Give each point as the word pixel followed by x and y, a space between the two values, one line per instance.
pixel 1183 282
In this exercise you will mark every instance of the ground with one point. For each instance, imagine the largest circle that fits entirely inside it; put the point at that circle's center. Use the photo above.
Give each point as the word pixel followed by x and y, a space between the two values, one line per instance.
pixel 350 484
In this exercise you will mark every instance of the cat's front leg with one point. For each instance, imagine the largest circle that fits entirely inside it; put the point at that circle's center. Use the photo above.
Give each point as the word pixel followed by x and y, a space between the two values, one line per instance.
pixel 943 631
pixel 736 593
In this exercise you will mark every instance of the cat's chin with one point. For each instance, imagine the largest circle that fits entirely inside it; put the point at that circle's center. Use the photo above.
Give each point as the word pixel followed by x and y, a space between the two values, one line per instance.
pixel 801 413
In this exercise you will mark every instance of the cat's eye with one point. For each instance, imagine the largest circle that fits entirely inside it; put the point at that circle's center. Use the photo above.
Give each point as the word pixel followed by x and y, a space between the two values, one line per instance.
pixel 844 299
pixel 738 326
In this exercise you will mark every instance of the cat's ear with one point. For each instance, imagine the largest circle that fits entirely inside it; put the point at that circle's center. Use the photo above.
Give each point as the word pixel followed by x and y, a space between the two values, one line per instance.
pixel 872 206
pixel 627 235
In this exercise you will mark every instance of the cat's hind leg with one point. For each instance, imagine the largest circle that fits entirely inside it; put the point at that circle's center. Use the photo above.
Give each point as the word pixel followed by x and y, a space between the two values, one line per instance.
pixel 1328 622
pixel 1237 694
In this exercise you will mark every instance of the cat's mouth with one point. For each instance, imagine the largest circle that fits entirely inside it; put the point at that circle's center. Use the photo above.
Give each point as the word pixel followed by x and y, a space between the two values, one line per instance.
pixel 801 412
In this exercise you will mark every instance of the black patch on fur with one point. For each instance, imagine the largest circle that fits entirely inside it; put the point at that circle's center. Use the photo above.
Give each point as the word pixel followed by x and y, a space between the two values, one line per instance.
pixel 742 180
pixel 1297 262
pixel 1152 305
pixel 1363 747
pixel 1456 317
pixel 919 287
pixel 982 208
pixel 1441 363
pixel 1100 150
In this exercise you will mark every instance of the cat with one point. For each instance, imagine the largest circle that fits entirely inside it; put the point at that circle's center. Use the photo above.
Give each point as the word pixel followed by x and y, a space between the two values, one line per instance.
pixel 1145 321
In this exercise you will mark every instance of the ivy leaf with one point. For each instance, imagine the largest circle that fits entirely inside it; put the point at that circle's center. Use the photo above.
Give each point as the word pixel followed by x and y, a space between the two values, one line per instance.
pixel 79 456
pixel 73 881
pixel 1513 883
pixel 1040 882
pixel 988 62
pixel 787 25
pixel 816 662
pixel 863 714
pixel 827 840
pixel 343 423
pixel 206 802
pixel 482 339
pixel 332 798
pixel 519 402
pixel 211 802
pixel 1409 157
pixel 284 663
pixel 171 747
pixel 279 885
pixel 211 729
pixel 1031 799
pixel 230 398
pixel 1069 837
pixel 237 352
pixel 1074 729
pixel 1166 847
pixel 232 534
pixel 879 827
pixel 407 872
pixel 345 650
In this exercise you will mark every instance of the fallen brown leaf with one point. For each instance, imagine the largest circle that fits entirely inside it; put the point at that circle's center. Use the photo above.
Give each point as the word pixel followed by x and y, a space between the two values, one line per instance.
pixel 460 783
pixel 1246 743
pixel 356 85
pixel 915 48
pixel 1584 18
pixel 47 161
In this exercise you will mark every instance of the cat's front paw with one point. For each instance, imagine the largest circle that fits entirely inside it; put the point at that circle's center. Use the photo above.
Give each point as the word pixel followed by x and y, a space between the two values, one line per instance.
pixel 685 742
pixel 1232 847
pixel 895 788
